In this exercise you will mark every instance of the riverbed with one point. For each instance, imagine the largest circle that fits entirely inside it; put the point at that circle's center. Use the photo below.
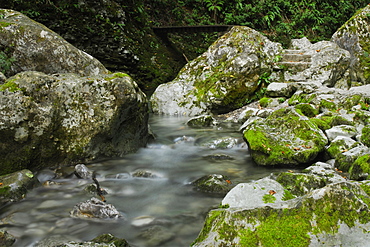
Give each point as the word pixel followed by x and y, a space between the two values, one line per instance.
pixel 150 188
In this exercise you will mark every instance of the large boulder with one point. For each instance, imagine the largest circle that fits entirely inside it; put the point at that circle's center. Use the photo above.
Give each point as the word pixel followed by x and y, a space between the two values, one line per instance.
pixel 48 120
pixel 221 79
pixel 32 46
pixel 286 137
pixel 335 215
pixel 354 37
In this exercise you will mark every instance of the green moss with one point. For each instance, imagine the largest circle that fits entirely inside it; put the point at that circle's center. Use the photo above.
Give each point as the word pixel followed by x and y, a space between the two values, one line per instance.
pixel 365 135
pixel 5 191
pixel 300 184
pixel 117 75
pixel 351 101
pixel 268 198
pixel 288 195
pixel 325 104
pixel 10 85
pixel 321 124
pixel 360 167
pixel 288 227
pixel 264 101
pixel 307 109
pixel 301 98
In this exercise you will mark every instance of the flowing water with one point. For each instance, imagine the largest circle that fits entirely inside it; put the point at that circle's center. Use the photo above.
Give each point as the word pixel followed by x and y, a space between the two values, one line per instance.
pixel 158 210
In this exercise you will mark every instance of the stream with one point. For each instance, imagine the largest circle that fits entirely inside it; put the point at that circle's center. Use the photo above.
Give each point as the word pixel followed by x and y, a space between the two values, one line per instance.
pixel 161 209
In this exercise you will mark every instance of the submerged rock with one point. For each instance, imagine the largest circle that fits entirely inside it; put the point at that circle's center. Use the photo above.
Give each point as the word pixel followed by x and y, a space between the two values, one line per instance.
pixel 95 208
pixel 6 239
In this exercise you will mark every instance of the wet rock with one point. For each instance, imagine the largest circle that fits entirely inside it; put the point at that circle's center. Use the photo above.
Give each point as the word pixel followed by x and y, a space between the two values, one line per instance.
pixel 81 171
pixel 221 79
pixel 335 214
pixel 36 48
pixel 156 235
pixel 354 37
pixel 104 240
pixel 284 138
pixel 6 239
pixel 14 186
pixel 202 121
pixel 95 208
pixel 214 183
pixel 218 157
pixel 222 143
pixel 143 174
pixel 53 120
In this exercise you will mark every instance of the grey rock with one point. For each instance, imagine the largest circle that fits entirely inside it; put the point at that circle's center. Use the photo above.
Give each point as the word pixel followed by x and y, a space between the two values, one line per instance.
pixel 64 119
pixel 82 171
pixel 254 194
pixel 35 47
pixel 354 37
pixel 341 130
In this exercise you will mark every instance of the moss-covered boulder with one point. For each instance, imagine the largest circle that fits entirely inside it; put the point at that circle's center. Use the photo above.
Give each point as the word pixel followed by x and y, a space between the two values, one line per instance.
pixel 360 169
pixel 14 186
pixel 32 46
pixel 49 120
pixel 335 215
pixel 201 121
pixel 221 79
pixel 354 37
pixel 284 138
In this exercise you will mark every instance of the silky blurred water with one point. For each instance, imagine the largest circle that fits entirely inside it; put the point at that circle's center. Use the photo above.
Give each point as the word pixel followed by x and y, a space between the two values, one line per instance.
pixel 161 210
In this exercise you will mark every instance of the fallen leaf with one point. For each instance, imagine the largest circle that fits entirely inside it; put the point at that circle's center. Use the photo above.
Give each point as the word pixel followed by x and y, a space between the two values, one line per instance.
pixel 228 181
pixel 271 192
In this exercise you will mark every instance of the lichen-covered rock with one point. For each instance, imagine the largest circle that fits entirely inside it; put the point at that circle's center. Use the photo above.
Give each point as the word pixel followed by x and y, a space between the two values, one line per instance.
pixel 326 171
pixel 35 47
pixel 354 37
pixel 221 79
pixel 340 145
pixel 335 215
pixel 95 208
pixel 48 120
pixel 284 138
pixel 14 186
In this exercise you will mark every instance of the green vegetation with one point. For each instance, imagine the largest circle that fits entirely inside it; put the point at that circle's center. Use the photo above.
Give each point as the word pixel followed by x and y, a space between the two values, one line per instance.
pixel 268 198
pixel 122 29
pixel 5 62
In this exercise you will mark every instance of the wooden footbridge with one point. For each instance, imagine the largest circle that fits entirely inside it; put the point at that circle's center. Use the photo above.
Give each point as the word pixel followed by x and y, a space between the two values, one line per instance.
pixel 162 33
pixel 191 29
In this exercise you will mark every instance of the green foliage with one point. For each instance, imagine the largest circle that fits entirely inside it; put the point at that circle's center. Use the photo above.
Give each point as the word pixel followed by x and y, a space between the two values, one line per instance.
pixel 268 198
pixel 5 62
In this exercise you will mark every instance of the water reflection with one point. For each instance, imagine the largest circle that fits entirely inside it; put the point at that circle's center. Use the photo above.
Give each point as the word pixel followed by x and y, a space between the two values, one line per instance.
pixel 160 208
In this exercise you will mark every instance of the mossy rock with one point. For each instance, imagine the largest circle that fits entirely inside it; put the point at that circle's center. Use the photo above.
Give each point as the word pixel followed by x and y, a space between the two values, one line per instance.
pixel 307 109
pixel 360 169
pixel 284 138
pixel 365 135
pixel 299 184
pixel 326 214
